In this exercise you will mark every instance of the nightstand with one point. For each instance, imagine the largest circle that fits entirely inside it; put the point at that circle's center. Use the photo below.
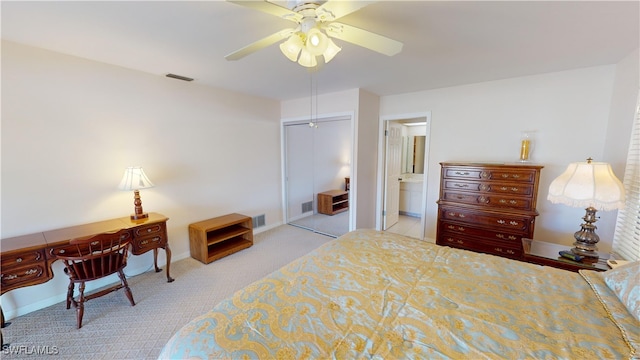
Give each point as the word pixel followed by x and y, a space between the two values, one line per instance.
pixel 544 253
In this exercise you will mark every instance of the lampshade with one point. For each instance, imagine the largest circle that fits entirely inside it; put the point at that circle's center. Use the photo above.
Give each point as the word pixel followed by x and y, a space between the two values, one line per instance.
pixel 331 51
pixel 307 59
pixel 588 184
pixel 134 178
pixel 316 42
pixel 291 48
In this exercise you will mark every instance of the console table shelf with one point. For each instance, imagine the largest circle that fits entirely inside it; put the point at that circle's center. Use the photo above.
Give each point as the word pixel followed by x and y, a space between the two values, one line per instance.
pixel 333 201
pixel 212 239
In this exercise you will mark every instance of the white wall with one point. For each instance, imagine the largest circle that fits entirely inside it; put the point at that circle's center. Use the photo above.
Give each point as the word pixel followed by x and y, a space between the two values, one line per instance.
pixel 568 111
pixel 70 126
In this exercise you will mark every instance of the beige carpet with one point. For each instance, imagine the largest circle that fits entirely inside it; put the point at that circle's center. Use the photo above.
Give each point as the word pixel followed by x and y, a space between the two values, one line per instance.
pixel 113 329
pixel 332 225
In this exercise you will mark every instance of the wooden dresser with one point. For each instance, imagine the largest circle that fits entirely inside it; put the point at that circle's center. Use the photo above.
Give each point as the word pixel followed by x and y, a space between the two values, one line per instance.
pixel 487 207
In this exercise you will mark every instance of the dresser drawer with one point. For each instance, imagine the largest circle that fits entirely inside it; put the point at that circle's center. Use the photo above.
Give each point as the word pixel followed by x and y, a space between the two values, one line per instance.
pixel 505 249
pixel 469 230
pixel 503 201
pixel 143 244
pixel 27 274
pixel 498 221
pixel 22 258
pixel 152 229
pixel 488 187
pixel 510 174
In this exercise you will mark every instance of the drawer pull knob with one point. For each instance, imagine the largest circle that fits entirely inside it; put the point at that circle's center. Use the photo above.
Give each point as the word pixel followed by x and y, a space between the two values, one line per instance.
pixel 19 260
pixel 95 242
pixel 498 249
pixel 514 223
pixel 460 228
pixel 156 239
pixel 511 237
pixel 504 188
pixel 461 185
pixel 513 202
pixel 516 176
pixel 514 189
pixel 502 201
pixel 500 236
pixel 11 277
pixel 451 227
pixel 501 222
pixel 30 272
pixel 505 175
pixel 144 242
pixel 462 173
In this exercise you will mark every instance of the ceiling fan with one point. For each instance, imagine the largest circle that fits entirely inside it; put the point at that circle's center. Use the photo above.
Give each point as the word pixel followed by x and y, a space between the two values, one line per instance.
pixel 315 26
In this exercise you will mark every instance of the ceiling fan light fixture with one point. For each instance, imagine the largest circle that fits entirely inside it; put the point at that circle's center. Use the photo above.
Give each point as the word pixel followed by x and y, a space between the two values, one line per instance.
pixel 317 41
pixel 307 59
pixel 291 48
pixel 331 51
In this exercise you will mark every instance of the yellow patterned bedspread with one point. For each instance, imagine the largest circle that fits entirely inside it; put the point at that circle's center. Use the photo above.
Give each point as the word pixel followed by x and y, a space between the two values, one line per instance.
pixel 376 295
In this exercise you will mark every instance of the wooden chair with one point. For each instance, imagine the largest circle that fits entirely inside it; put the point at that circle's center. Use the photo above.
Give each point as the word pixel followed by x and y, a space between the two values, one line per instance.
pixel 92 258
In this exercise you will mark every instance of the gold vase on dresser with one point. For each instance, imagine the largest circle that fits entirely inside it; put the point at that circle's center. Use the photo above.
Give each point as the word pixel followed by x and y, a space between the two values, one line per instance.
pixel 487 207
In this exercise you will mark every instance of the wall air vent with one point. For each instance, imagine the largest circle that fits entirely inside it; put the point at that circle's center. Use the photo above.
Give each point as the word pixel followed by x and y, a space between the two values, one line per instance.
pixel 179 77
pixel 306 207
pixel 259 221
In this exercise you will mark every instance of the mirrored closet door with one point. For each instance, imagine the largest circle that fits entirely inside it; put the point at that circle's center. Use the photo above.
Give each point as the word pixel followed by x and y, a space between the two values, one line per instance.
pixel 317 174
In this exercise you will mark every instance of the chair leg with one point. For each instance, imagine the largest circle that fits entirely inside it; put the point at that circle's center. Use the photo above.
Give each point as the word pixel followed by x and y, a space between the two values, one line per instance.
pixel 80 307
pixel 127 290
pixel 70 294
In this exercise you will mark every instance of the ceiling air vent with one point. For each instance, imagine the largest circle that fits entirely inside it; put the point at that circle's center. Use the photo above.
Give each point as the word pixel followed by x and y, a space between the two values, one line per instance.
pixel 179 77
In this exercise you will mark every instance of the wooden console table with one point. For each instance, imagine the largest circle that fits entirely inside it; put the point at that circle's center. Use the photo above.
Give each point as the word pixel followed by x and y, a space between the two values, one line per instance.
pixel 26 260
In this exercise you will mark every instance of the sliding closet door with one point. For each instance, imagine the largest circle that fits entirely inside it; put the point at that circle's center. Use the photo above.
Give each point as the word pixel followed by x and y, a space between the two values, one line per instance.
pixel 317 159
pixel 299 174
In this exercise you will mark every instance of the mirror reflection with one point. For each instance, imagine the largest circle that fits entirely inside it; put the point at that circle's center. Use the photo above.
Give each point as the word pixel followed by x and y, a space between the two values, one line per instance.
pixel 413 154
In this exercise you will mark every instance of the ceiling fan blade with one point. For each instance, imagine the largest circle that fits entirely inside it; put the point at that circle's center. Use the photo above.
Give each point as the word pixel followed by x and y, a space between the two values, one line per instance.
pixel 269 8
pixel 333 10
pixel 363 38
pixel 260 44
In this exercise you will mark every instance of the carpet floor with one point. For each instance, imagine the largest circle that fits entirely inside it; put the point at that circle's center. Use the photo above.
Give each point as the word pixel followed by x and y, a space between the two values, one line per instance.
pixel 113 329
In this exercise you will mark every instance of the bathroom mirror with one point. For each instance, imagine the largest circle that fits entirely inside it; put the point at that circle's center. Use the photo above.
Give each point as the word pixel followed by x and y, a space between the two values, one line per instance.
pixel 413 154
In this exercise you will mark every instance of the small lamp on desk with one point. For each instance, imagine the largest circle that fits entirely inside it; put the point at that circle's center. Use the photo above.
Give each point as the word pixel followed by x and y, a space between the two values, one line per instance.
pixel 590 185
pixel 135 179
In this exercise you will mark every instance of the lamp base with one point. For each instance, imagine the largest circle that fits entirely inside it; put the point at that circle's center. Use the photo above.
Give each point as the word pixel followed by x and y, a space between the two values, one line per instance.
pixel 590 253
pixel 586 237
pixel 139 216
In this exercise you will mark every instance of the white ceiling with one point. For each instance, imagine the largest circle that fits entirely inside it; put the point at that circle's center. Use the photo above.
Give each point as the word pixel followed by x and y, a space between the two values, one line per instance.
pixel 446 43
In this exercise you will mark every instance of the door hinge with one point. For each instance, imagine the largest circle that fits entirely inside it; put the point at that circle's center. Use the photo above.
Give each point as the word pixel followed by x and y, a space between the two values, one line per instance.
pixel 384 212
pixel 386 133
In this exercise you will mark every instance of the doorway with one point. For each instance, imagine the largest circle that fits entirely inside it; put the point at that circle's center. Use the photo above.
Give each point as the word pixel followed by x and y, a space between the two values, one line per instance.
pixel 406 144
pixel 317 160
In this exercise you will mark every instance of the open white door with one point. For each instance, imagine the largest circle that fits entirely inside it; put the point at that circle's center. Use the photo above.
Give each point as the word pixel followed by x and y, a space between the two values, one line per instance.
pixel 391 210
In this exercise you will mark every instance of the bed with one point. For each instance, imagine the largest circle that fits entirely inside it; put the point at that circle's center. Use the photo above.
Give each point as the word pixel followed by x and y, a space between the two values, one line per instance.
pixel 378 295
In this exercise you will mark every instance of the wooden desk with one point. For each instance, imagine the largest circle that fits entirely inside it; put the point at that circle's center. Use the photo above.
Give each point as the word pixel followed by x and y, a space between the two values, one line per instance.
pixel 26 260
pixel 544 253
